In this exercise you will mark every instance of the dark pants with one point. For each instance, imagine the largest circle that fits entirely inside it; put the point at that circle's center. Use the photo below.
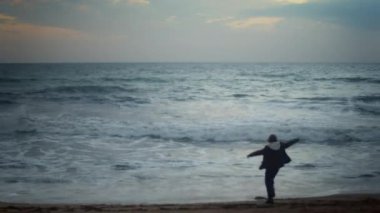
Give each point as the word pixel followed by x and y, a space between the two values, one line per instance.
pixel 270 174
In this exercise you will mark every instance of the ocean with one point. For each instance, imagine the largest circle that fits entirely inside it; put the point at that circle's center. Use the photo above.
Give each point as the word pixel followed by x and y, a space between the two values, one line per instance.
pixel 180 132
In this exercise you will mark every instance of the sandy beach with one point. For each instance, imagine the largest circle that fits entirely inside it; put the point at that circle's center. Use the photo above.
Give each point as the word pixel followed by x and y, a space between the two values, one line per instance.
pixel 335 203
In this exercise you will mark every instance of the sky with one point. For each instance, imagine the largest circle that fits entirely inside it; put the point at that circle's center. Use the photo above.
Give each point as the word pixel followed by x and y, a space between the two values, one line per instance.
pixel 189 31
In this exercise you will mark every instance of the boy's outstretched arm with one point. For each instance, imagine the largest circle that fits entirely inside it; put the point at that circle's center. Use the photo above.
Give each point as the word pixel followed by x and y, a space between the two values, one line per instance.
pixel 256 153
pixel 291 142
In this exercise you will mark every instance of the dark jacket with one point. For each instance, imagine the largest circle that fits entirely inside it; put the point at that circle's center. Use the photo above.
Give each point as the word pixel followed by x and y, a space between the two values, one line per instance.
pixel 274 158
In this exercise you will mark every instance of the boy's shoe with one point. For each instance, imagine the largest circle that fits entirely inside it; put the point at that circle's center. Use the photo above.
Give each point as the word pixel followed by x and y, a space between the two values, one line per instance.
pixel 269 201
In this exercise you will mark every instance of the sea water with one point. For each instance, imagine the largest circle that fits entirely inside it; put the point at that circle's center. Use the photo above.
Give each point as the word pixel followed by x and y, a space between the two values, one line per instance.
pixel 180 132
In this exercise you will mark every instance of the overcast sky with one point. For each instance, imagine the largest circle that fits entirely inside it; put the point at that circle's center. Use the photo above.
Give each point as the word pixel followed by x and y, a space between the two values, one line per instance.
pixel 189 30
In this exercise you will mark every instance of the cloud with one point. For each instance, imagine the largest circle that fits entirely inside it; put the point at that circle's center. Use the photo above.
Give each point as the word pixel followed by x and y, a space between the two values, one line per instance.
pixel 6 18
pixel 20 29
pixel 364 14
pixel 27 42
pixel 139 2
pixel 16 2
pixel 13 2
pixel 82 7
pixel 10 28
pixel 246 23
pixel 253 22
pixel 217 20
pixel 26 2
pixel 292 1
pixel 171 19
pixel 133 2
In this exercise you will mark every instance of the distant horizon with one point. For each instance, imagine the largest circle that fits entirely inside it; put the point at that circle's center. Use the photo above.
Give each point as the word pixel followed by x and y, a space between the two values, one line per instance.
pixel 183 62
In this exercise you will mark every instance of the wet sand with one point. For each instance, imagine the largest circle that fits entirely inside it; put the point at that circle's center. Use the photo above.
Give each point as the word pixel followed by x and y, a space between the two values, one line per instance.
pixel 336 203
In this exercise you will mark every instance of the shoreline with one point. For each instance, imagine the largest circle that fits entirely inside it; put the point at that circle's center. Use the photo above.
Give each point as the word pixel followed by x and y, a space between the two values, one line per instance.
pixel 332 203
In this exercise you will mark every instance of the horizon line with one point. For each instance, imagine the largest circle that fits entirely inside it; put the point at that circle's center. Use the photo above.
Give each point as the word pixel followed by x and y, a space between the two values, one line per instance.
pixel 187 62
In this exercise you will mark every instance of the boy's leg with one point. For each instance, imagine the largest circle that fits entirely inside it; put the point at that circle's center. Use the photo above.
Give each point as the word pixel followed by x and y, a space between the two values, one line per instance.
pixel 270 174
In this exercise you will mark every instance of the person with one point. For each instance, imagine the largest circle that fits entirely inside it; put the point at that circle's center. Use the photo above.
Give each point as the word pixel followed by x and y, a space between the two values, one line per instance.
pixel 274 157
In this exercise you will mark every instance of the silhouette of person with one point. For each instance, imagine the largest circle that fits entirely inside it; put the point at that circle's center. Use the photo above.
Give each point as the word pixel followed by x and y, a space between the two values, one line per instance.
pixel 274 157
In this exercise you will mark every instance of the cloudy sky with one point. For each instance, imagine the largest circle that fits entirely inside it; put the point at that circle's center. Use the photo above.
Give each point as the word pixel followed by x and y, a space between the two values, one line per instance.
pixel 189 30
